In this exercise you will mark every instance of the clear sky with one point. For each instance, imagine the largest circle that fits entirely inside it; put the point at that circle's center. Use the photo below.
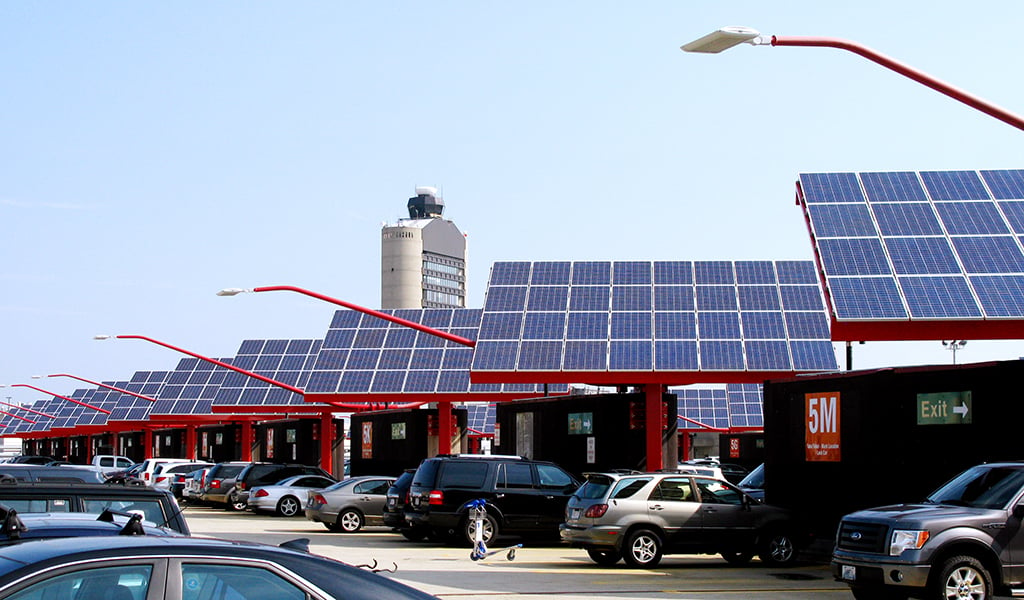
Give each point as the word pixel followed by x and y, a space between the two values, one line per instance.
pixel 154 153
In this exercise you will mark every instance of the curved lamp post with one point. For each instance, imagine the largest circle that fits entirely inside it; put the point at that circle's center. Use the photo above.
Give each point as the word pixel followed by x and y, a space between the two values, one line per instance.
pixel 85 404
pixel 369 311
pixel 727 37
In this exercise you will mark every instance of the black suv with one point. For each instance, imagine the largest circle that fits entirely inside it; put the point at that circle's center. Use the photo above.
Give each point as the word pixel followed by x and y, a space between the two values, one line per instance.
pixel 156 506
pixel 523 496
pixel 257 474
pixel 394 508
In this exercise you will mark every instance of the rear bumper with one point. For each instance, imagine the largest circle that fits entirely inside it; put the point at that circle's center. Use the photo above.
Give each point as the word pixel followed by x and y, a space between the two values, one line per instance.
pixel 607 536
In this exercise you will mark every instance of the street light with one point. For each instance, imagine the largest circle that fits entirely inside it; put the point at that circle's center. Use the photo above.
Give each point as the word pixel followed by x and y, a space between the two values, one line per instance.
pixel 727 37
pixel 85 404
pixel 369 311
pixel 98 384
pixel 954 345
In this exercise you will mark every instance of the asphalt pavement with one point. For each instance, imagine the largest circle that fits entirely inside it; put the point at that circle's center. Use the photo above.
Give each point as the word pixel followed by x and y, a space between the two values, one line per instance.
pixel 540 569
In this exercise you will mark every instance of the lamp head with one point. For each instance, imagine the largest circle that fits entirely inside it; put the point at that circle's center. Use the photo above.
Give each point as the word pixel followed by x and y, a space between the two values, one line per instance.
pixel 232 291
pixel 102 337
pixel 723 39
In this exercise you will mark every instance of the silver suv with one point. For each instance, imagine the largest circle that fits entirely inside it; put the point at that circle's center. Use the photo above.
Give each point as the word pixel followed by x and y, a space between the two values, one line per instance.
pixel 639 517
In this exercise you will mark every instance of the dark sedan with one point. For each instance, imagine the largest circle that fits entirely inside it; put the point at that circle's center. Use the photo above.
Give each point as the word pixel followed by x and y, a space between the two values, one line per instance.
pixel 146 567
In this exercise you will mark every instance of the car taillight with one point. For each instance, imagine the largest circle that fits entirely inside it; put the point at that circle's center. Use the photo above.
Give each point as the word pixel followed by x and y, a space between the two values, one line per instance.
pixel 436 497
pixel 161 479
pixel 407 501
pixel 240 485
pixel 146 475
pixel 596 511
pixel 261 493
pixel 215 483
pixel 319 499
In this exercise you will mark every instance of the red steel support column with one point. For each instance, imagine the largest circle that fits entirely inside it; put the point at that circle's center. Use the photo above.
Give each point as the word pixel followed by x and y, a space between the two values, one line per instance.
pixel 147 442
pixel 445 427
pixel 653 426
pixel 247 437
pixel 327 443
pixel 190 442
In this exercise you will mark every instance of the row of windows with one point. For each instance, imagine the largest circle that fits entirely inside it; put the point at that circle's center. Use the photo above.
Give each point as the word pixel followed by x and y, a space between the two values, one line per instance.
pixel 433 299
pixel 438 281
pixel 453 270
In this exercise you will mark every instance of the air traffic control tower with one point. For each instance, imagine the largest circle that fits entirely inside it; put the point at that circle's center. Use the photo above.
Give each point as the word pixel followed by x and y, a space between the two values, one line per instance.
pixel 423 258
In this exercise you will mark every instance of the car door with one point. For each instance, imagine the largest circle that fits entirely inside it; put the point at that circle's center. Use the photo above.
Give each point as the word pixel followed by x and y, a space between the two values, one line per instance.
pixel 674 506
pixel 517 497
pixel 728 521
pixel 371 496
pixel 554 486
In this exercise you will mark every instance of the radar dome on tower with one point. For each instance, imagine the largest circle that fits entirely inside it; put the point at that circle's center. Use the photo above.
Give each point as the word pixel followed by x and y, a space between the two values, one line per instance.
pixel 426 204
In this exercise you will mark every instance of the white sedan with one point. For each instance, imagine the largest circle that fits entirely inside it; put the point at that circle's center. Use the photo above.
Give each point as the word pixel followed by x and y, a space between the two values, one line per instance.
pixel 283 498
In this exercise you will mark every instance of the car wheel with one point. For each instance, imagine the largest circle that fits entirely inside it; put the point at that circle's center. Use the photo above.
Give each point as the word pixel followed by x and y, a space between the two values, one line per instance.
pixel 778 550
pixel 962 577
pixel 604 556
pixel 642 549
pixel 236 504
pixel 738 558
pixel 288 506
pixel 489 528
pixel 349 521
pixel 415 534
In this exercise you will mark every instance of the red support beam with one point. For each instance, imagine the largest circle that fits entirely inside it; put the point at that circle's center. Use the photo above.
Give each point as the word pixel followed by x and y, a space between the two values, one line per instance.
pixel 653 425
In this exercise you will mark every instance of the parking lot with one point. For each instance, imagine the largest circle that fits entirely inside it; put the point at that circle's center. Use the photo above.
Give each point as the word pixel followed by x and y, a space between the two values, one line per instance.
pixel 539 569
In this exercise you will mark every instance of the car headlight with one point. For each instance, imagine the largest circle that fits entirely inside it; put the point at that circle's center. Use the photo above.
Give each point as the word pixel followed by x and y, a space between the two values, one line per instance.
pixel 907 539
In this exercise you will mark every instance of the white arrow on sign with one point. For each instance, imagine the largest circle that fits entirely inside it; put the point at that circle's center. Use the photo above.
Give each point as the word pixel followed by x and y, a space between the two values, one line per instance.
pixel 961 410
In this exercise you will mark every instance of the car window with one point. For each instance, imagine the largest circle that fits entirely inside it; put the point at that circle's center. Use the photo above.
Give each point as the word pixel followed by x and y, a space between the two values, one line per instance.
pixel 109 583
pixel 677 489
pixel 150 509
pixel 463 474
pixel 553 477
pixel 627 487
pixel 51 505
pixel 514 476
pixel 718 492
pixel 374 486
pixel 233 582
pixel 311 482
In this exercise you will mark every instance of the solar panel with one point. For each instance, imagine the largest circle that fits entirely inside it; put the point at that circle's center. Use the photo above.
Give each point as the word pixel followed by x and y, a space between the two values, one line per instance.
pixel 651 316
pixel 708 407
pixel 286 361
pixel 929 246
pixel 480 417
pixel 366 355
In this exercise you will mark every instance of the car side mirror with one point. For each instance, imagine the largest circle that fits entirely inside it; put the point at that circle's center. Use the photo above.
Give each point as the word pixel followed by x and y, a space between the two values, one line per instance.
pixel 1018 511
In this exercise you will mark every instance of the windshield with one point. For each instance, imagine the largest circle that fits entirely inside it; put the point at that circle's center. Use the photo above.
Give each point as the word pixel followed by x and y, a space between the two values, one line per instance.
pixel 981 487
pixel 754 479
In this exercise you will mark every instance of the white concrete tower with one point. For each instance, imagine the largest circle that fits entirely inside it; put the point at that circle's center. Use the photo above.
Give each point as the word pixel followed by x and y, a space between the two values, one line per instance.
pixel 423 258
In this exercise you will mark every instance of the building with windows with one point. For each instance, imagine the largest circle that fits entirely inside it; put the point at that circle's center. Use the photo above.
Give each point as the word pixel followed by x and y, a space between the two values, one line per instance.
pixel 423 258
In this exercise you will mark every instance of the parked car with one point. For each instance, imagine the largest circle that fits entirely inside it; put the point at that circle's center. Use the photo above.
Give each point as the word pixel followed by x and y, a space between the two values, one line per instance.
pixel 194 482
pixel 22 526
pixel 640 517
pixel 143 566
pixel 156 506
pixel 171 476
pixel 150 465
pixel 66 474
pixel 523 496
pixel 257 474
pixel 126 476
pixel 963 541
pixel 394 508
pixel 753 483
pixel 287 497
pixel 32 460
pixel 220 481
pixel 349 504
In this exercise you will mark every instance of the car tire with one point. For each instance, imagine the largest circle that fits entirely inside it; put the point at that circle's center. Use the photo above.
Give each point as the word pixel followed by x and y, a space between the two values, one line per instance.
pixel 349 521
pixel 738 558
pixel 288 506
pixel 778 549
pixel 490 529
pixel 235 504
pixel 604 556
pixel 415 534
pixel 643 549
pixel 962 577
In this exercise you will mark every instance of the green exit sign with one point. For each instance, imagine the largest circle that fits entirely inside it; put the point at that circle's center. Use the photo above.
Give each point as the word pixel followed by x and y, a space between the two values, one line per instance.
pixel 944 408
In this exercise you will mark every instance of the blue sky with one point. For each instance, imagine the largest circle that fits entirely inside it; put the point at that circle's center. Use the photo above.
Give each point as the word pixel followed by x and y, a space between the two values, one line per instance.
pixel 155 153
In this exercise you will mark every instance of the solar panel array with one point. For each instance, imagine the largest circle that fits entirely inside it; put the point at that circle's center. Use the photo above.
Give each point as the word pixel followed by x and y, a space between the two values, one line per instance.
pixel 664 316
pixel 286 361
pixel 363 354
pixel 927 245
pixel 132 408
pixel 480 417
pixel 735 405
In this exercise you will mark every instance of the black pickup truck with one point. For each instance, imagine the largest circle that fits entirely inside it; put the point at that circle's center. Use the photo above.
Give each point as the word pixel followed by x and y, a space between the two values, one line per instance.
pixel 963 541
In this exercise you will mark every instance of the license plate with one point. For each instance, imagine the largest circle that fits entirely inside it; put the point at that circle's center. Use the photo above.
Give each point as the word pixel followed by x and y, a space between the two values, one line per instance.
pixel 849 573
pixel 392 502
pixel 574 514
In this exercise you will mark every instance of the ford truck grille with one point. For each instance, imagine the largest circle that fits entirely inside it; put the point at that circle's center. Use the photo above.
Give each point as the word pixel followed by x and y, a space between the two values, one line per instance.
pixel 863 537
